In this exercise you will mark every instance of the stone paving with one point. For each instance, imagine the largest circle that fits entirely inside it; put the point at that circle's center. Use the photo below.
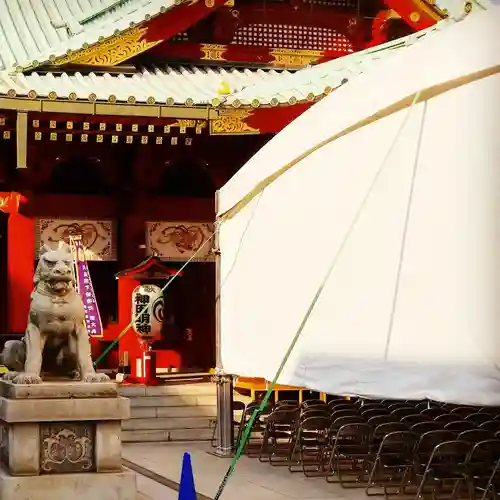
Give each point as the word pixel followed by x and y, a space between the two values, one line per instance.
pixel 252 480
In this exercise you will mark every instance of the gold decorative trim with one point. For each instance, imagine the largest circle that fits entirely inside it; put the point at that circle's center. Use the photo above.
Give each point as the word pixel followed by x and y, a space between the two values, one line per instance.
pixel 232 122
pixel 112 51
pixel 415 17
pixel 292 58
pixel 427 7
pixel 213 52
pixel 184 124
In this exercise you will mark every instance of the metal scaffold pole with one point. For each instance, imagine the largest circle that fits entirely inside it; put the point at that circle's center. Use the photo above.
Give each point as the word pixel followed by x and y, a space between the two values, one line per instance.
pixel 224 435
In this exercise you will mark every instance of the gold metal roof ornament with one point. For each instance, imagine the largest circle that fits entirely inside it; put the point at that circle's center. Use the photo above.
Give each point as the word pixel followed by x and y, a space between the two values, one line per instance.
pixel 112 51
pixel 232 122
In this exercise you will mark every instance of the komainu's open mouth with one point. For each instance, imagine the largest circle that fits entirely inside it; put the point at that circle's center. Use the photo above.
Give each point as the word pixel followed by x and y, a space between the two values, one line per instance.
pixel 60 282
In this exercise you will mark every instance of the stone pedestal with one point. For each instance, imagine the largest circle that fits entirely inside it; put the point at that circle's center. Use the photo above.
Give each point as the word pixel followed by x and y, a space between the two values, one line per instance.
pixel 62 440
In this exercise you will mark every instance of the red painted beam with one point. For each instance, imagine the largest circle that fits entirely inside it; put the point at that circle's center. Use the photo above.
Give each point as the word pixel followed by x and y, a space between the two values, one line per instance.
pixel 179 19
pixel 196 52
pixel 273 120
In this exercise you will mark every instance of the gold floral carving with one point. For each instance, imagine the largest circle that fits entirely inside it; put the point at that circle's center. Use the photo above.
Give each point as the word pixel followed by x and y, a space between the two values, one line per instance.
pixel 112 51
pixel 293 58
pixel 213 52
pixel 232 122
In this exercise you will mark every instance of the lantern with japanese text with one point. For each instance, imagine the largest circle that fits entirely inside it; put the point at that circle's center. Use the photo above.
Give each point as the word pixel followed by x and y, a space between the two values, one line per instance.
pixel 147 310
pixel 147 318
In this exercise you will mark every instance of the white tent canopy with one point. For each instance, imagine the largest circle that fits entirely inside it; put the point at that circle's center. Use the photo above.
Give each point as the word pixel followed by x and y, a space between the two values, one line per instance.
pixel 400 202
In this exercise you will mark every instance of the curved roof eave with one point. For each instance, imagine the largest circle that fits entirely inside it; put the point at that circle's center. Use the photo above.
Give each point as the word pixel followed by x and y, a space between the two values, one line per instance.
pixel 192 86
pixel 32 36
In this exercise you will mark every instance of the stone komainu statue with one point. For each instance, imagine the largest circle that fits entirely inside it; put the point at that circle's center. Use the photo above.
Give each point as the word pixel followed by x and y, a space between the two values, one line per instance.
pixel 56 340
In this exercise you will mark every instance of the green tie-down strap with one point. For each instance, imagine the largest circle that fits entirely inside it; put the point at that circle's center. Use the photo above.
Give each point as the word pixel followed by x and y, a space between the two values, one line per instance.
pixel 146 307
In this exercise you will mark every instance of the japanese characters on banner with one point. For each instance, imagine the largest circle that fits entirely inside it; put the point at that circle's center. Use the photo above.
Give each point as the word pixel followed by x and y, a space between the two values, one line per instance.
pixel 85 289
pixel 180 241
pixel 97 236
pixel 147 298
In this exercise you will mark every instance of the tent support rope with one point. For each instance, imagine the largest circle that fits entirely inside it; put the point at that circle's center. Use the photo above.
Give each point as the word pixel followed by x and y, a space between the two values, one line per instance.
pixel 405 232
pixel 248 429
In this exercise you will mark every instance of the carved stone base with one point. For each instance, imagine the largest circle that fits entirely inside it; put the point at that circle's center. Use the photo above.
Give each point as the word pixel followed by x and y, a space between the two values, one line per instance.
pixel 64 439
pixel 94 486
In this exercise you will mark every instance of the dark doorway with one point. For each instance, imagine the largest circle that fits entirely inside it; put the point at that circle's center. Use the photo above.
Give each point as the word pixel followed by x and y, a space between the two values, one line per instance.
pixel 190 306
pixel 186 179
pixel 78 175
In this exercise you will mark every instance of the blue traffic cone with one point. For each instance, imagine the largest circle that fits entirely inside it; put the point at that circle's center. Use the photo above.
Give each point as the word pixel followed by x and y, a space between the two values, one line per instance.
pixel 187 490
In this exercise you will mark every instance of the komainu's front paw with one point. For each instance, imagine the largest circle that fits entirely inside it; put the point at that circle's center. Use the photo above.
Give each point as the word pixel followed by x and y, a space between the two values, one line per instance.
pixel 10 376
pixel 93 378
pixel 27 379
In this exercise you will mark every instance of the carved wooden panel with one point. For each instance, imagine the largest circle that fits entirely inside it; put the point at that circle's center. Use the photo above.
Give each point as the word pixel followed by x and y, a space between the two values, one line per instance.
pixel 67 447
pixel 98 237
pixel 180 241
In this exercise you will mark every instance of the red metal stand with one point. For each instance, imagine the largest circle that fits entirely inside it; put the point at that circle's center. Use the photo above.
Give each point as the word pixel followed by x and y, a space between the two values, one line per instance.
pixel 143 368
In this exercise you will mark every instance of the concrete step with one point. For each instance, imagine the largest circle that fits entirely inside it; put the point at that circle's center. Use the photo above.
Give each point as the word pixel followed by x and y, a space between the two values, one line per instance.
pixel 186 389
pixel 158 401
pixel 173 411
pixel 139 424
pixel 179 412
pixel 147 436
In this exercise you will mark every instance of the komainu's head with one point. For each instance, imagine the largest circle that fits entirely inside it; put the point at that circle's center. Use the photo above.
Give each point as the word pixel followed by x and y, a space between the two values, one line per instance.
pixel 55 269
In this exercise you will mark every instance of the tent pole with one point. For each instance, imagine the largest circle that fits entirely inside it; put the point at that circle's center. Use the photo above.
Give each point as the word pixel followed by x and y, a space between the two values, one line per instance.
pixel 224 434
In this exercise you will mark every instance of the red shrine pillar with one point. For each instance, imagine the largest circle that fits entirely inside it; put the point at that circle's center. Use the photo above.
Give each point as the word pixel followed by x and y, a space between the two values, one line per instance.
pixel 20 270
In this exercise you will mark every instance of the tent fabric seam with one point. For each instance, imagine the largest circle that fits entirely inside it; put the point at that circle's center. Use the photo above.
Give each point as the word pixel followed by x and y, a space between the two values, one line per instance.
pixel 425 95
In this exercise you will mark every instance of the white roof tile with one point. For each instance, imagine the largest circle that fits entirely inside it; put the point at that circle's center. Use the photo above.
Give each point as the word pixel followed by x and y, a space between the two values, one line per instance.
pixel 180 84
pixel 201 85
pixel 33 30
pixel 315 79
